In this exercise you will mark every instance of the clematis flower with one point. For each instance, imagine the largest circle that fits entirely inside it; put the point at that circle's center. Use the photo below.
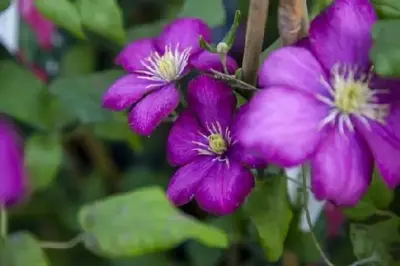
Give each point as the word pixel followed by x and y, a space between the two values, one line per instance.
pixel 154 66
pixel 323 103
pixel 12 179
pixel 203 143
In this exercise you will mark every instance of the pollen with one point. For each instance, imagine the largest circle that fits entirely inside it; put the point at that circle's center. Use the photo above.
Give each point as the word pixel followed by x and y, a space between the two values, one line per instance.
pixel 217 144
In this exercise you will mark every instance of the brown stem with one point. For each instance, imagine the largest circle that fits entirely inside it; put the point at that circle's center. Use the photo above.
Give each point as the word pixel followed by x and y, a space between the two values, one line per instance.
pixel 258 12
pixel 293 20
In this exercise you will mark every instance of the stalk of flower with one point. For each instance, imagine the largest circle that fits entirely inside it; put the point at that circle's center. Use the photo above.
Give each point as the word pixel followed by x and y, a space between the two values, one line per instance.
pixel 323 103
pixel 202 142
pixel 155 66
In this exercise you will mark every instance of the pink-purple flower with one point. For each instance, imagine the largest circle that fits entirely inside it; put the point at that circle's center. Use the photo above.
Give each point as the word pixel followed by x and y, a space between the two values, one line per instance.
pixel 154 66
pixel 323 103
pixel 12 178
pixel 213 166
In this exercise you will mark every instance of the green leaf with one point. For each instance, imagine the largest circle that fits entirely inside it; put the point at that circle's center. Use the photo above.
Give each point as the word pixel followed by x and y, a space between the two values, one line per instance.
pixel 141 222
pixel 385 53
pixel 103 17
pixel 22 249
pixel 79 59
pixel 269 209
pixel 63 13
pixel 82 95
pixel 43 155
pixel 387 9
pixel 211 11
pixel 4 4
pixel 146 30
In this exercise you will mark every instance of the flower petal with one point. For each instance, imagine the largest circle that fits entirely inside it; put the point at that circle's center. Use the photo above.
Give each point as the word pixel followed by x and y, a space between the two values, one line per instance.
pixel 294 67
pixel 186 33
pixel 283 125
pixel 224 188
pixel 212 101
pixel 206 61
pixel 342 168
pixel 185 181
pixel 131 57
pixel 182 139
pixel 148 113
pixel 342 33
pixel 126 91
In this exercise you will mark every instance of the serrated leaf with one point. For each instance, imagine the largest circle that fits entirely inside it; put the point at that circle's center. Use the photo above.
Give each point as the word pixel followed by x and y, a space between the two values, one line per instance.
pixel 82 95
pixel 103 17
pixel 269 209
pixel 211 11
pixel 43 156
pixel 387 9
pixel 141 222
pixel 22 249
pixel 63 13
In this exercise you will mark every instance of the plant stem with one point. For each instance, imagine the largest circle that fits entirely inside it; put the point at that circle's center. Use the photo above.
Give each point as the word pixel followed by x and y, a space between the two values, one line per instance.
pixel 61 245
pixel 258 10
pixel 3 222
pixel 293 20
pixel 308 216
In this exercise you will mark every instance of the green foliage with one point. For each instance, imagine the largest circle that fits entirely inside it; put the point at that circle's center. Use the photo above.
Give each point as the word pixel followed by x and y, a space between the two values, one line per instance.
pixel 63 13
pixel 387 9
pixel 211 11
pixel 269 209
pixel 140 222
pixel 4 4
pixel 80 59
pixel 22 249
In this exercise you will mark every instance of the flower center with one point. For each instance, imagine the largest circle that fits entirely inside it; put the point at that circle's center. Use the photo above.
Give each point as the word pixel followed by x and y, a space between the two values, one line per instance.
pixel 167 67
pixel 217 143
pixel 351 96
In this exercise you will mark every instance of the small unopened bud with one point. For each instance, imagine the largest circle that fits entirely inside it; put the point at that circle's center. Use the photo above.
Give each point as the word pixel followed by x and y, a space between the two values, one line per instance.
pixel 222 48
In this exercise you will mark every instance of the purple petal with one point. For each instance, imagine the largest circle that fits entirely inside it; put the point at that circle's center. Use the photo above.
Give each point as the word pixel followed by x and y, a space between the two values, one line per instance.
pixel 126 91
pixel 342 33
pixel 283 125
pixel 206 61
pixel 184 183
pixel 134 53
pixel 293 67
pixel 224 188
pixel 212 101
pixel 341 170
pixel 148 113
pixel 186 33
pixel 181 148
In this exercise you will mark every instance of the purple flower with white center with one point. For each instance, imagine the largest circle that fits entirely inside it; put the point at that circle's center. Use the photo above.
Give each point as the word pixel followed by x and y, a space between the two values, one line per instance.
pixel 154 66
pixel 203 143
pixel 12 179
pixel 322 103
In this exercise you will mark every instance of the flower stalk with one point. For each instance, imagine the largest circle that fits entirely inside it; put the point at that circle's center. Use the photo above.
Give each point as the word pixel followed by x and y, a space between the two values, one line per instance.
pixel 3 222
pixel 293 20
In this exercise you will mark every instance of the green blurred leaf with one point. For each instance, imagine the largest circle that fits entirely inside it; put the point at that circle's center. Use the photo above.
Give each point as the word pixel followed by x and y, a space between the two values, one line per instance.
pixel 146 30
pixel 156 259
pixel 82 95
pixel 79 59
pixel 211 11
pixel 387 9
pixel 22 249
pixel 4 4
pixel 141 222
pixel 103 17
pixel 385 53
pixel 63 13
pixel 43 156
pixel 201 255
pixel 269 209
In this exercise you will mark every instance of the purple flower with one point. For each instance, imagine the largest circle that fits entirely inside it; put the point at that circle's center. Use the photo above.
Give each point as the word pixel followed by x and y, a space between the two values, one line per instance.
pixel 324 104
pixel 154 66
pixel 12 179
pixel 203 143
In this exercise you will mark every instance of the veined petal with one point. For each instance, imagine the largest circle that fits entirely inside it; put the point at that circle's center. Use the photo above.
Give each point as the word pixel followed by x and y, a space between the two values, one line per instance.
pixel 184 183
pixel 206 61
pixel 283 125
pixel 149 112
pixel 184 138
pixel 342 33
pixel 131 57
pixel 224 188
pixel 341 169
pixel 186 33
pixel 293 67
pixel 126 91
pixel 212 101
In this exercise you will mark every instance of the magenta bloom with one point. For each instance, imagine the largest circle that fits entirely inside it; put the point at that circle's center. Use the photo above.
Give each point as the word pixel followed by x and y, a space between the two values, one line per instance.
pixel 203 143
pixel 324 104
pixel 12 178
pixel 154 66
pixel 42 27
